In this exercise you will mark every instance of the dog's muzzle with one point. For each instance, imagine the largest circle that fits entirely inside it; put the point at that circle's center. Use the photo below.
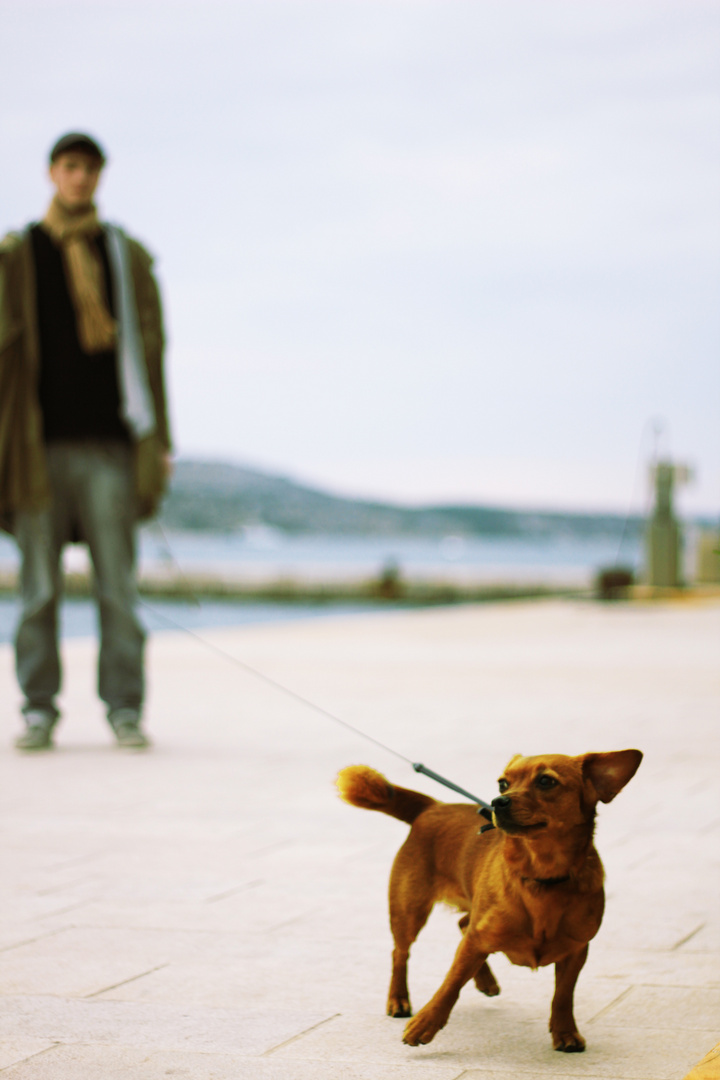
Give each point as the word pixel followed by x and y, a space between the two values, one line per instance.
pixel 502 811
pixel 503 817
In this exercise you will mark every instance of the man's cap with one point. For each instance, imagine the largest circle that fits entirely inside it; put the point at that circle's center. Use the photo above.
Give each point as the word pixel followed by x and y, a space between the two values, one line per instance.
pixel 77 140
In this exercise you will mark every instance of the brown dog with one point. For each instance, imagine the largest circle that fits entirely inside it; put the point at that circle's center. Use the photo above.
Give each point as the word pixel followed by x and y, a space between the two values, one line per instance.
pixel 532 888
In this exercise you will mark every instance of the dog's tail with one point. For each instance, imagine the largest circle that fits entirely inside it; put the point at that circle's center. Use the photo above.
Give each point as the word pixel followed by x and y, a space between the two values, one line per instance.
pixel 362 786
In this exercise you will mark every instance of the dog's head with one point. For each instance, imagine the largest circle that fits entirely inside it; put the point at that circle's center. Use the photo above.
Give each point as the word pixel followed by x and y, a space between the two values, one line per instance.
pixel 553 792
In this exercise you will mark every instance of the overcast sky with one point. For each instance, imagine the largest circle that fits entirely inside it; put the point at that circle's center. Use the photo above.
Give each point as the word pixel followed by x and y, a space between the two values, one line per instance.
pixel 415 249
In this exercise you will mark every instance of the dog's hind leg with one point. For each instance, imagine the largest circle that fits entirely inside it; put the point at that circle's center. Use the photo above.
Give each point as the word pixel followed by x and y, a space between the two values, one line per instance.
pixel 484 980
pixel 564 1032
pixel 411 901
pixel 405 925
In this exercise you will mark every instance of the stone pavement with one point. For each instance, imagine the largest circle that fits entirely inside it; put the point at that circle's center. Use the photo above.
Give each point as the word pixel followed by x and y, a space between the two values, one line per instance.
pixel 210 909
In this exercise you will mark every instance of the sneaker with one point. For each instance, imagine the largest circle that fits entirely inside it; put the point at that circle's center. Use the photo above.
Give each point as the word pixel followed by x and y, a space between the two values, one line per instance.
pixel 129 736
pixel 126 725
pixel 38 732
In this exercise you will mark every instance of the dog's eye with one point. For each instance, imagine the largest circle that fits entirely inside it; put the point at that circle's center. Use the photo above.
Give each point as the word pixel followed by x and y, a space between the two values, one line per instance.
pixel 546 781
pixel 503 785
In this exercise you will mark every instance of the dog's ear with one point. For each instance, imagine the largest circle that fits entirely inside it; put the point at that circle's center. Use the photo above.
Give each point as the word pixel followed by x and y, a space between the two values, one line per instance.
pixel 609 773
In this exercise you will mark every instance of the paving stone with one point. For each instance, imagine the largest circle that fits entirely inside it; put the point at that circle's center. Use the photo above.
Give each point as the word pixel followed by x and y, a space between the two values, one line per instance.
pixel 678 1007
pixel 128 1024
pixel 80 963
pixel 79 1062
pixel 655 967
pixel 665 932
pixel 706 939
pixel 14 1051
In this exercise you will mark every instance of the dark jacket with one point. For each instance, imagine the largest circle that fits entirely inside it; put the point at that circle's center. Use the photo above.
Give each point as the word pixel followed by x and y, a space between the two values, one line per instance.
pixel 23 470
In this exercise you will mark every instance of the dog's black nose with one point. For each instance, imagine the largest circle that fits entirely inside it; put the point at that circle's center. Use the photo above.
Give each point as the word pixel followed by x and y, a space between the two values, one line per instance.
pixel 501 802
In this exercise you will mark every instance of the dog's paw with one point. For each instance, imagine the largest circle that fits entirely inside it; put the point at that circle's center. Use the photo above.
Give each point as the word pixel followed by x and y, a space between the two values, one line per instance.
pixel 486 982
pixel 570 1042
pixel 399 1007
pixel 422 1029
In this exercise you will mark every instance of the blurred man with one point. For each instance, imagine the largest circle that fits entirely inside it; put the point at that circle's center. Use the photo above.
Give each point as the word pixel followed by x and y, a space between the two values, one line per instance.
pixel 84 443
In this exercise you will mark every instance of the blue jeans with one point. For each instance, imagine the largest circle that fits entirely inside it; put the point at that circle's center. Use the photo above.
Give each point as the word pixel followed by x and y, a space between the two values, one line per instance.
pixel 93 500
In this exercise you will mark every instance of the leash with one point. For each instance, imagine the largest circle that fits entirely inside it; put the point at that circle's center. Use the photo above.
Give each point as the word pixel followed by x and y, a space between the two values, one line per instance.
pixel 484 808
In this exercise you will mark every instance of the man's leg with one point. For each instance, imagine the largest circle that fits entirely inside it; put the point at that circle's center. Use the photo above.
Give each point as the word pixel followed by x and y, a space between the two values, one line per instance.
pixel 40 536
pixel 108 515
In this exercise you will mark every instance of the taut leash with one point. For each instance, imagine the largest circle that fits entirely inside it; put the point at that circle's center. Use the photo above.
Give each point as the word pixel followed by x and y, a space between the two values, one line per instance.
pixel 484 808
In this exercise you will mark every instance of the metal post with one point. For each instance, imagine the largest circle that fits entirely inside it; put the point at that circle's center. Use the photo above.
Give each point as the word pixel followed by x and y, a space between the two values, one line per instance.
pixel 663 539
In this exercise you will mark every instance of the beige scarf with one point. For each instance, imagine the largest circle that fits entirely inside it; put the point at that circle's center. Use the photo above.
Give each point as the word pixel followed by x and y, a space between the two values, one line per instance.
pixel 74 233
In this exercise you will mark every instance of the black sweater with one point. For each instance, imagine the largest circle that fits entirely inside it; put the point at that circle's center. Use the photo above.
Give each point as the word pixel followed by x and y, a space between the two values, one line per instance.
pixel 79 395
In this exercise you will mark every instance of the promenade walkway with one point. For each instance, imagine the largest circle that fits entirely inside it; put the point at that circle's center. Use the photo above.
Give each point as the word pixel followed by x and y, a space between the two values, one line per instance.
pixel 211 910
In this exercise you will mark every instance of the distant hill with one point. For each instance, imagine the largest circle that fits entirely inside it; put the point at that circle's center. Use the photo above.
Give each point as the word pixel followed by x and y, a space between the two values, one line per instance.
pixel 212 496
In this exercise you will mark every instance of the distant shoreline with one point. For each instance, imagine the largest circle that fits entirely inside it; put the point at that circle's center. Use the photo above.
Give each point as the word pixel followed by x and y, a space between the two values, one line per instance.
pixel 222 497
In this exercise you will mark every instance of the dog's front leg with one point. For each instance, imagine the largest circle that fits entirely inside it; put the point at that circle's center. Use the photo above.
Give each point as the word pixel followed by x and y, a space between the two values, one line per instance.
pixel 434 1016
pixel 565 1035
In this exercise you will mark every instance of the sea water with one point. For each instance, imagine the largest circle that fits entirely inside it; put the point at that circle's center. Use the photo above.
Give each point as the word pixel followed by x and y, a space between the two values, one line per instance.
pixel 266 554
pixel 269 553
